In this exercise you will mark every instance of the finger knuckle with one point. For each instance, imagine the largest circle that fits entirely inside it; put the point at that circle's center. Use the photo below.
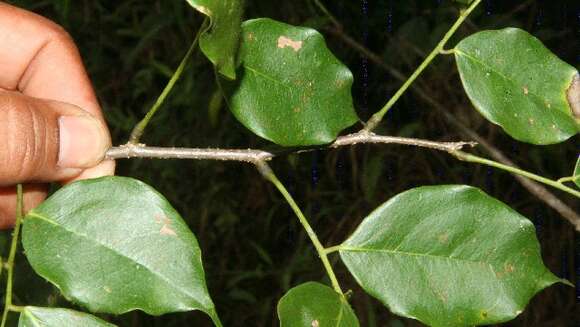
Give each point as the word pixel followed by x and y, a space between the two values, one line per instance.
pixel 26 147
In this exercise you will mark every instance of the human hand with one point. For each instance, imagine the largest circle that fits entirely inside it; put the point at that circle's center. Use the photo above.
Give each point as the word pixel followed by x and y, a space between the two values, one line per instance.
pixel 51 126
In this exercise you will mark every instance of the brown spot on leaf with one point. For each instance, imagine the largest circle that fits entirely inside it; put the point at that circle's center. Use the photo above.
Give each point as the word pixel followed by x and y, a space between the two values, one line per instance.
pixel 287 42
pixel 250 37
pixel 509 268
pixel 484 314
pixel 531 121
pixel 443 238
pixel 107 289
pixel 573 95
pixel 315 323
pixel 296 109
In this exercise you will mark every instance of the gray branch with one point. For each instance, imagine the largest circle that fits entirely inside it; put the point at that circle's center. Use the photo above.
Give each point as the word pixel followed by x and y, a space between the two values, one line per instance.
pixel 258 156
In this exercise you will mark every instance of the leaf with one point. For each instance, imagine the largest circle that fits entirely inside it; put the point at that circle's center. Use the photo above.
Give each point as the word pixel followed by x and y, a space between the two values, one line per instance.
pixel 221 41
pixel 316 305
pixel 576 173
pixel 448 256
pixel 57 317
pixel 292 90
pixel 518 84
pixel 114 244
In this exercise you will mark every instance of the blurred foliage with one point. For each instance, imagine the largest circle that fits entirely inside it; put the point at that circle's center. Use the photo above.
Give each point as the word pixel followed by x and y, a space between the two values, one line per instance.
pixel 254 249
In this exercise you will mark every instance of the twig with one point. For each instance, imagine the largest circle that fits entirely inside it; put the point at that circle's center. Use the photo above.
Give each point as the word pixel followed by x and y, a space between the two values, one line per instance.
pixel 257 156
pixel 368 137
pixel 142 151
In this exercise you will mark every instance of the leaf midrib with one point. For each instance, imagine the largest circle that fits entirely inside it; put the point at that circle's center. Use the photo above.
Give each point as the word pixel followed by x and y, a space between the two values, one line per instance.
pixel 266 76
pixel 32 318
pixel 361 249
pixel 36 215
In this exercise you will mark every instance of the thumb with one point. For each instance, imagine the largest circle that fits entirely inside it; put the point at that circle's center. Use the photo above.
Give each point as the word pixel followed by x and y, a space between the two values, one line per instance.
pixel 46 141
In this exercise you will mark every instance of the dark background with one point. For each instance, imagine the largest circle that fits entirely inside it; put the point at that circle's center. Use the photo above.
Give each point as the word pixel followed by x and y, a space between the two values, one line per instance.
pixel 254 249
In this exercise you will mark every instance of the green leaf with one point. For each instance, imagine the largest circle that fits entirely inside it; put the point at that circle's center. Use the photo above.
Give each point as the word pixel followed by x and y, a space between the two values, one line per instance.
pixel 314 304
pixel 114 244
pixel 448 256
pixel 57 317
pixel 518 84
pixel 221 41
pixel 292 90
pixel 576 173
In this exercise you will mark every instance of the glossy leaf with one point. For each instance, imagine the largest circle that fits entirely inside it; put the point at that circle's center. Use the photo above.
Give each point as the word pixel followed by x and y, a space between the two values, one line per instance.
pixel 57 317
pixel 314 304
pixel 221 41
pixel 518 84
pixel 114 244
pixel 292 90
pixel 448 256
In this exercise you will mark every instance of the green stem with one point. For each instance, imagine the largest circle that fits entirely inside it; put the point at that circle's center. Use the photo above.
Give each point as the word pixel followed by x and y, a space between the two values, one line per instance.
pixel 140 127
pixel 16 308
pixel 378 116
pixel 568 179
pixel 472 158
pixel 10 263
pixel 215 318
pixel 269 175
pixel 331 249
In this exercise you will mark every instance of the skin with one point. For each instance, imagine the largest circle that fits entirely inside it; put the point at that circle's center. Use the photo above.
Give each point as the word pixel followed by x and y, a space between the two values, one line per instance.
pixel 43 79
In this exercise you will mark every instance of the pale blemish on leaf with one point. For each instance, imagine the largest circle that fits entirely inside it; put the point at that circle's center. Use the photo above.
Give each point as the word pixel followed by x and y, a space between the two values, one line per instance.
pixel 443 238
pixel 573 95
pixel 107 289
pixel 166 230
pixel 287 42
pixel 526 90
pixel 315 323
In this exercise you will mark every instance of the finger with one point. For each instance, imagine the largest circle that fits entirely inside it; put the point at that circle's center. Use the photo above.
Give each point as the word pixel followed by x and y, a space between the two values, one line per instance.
pixel 34 194
pixel 38 58
pixel 47 141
